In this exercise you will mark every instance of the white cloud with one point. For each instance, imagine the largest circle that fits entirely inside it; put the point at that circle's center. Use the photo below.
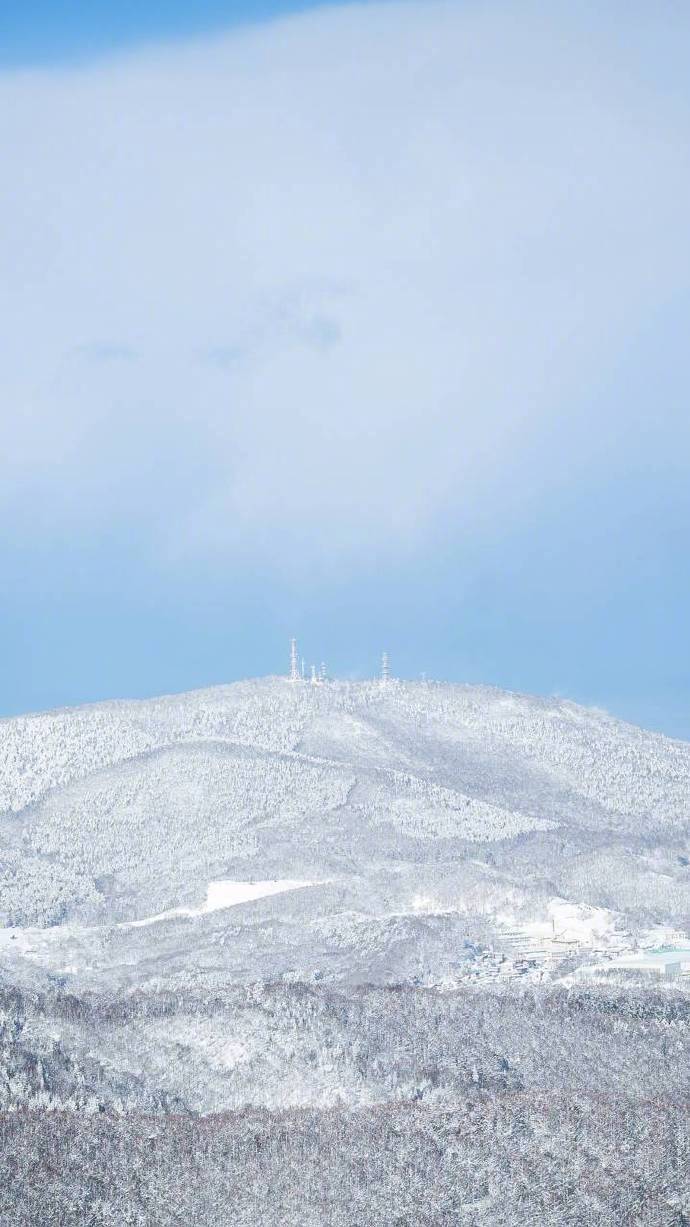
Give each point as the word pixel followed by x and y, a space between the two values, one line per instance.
pixel 334 279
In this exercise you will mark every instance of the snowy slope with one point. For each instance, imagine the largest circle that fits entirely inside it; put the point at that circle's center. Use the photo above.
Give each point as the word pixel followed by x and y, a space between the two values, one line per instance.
pixel 429 728
pixel 483 805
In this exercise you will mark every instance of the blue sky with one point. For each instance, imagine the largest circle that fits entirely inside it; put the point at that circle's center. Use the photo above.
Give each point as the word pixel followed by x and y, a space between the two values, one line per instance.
pixel 366 324
pixel 54 31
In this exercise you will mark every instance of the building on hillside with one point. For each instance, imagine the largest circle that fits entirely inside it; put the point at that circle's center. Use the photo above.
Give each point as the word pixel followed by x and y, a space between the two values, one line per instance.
pixel 658 964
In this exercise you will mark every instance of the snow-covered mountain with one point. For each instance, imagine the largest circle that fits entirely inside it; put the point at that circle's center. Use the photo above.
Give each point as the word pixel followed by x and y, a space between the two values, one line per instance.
pixel 388 939
pixel 424 822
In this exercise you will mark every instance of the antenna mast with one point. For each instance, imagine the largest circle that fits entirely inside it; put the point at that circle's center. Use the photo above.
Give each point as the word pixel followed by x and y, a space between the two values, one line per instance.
pixel 385 669
pixel 294 668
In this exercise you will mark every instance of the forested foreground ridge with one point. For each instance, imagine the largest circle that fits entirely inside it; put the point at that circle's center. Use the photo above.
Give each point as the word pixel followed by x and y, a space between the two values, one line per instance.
pixel 511 1158
pixel 373 953
pixel 279 1046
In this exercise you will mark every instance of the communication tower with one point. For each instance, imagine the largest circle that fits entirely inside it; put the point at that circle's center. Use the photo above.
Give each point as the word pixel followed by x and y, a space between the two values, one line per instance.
pixel 385 669
pixel 294 668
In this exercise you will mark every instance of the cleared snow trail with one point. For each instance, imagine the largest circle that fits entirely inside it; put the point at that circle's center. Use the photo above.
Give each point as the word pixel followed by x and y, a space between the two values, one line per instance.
pixel 224 894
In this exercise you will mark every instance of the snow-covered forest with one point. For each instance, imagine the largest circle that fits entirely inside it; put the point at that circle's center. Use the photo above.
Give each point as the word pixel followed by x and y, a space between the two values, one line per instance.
pixel 285 946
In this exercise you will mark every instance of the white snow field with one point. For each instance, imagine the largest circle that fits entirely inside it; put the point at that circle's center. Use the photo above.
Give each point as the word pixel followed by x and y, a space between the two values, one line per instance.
pixel 222 895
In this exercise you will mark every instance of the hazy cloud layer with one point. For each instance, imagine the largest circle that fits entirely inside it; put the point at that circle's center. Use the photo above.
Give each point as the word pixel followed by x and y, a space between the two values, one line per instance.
pixel 342 279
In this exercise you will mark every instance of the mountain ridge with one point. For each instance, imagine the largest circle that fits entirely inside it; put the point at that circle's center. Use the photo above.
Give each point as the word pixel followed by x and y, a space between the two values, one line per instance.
pixel 117 811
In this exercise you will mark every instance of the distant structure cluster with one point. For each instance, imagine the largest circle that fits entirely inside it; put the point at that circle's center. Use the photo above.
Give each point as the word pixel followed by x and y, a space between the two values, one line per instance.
pixel 317 676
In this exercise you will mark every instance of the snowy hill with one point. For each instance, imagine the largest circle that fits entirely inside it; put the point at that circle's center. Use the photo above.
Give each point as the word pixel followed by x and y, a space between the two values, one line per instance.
pixel 427 818
pixel 432 728
pixel 353 923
